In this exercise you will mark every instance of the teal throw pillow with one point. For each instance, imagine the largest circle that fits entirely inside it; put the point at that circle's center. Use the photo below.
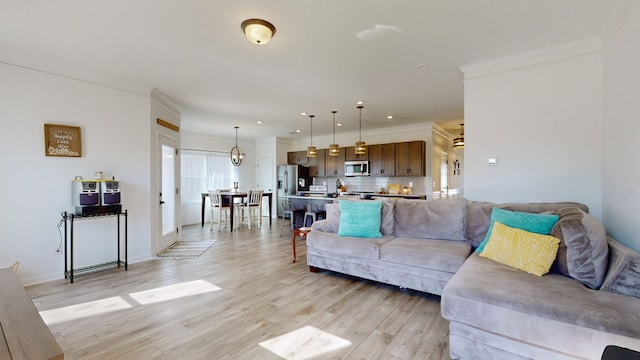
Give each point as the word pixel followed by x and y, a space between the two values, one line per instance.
pixel 360 219
pixel 535 223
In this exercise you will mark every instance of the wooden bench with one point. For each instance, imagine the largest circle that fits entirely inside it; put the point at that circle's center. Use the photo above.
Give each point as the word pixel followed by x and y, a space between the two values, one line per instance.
pixel 25 335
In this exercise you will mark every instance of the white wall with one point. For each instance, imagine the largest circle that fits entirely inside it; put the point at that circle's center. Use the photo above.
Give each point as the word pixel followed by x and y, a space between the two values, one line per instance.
pixel 540 116
pixel 36 188
pixel 621 125
pixel 245 174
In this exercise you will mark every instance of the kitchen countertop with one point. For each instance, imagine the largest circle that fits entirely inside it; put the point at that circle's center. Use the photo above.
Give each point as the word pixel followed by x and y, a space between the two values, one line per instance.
pixel 324 198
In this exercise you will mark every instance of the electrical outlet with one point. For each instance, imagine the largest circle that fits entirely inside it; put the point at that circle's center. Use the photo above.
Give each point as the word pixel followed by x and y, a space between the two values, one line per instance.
pixel 56 250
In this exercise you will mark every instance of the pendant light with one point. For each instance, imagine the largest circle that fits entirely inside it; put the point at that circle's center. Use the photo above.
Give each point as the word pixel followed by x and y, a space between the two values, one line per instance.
pixel 334 149
pixel 311 150
pixel 360 148
pixel 236 153
pixel 459 141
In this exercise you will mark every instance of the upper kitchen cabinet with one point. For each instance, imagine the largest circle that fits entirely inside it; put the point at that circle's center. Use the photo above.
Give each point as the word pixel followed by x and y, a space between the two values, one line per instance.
pixel 410 158
pixel 317 164
pixel 350 154
pixel 297 158
pixel 382 159
pixel 334 165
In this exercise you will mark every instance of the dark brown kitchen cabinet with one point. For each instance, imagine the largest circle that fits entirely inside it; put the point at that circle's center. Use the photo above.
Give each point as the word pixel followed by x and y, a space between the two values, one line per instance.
pixel 297 158
pixel 350 154
pixel 410 158
pixel 334 165
pixel 382 158
pixel 317 164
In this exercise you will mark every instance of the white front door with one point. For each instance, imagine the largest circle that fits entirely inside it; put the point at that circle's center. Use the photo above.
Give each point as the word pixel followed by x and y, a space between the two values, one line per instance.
pixel 168 192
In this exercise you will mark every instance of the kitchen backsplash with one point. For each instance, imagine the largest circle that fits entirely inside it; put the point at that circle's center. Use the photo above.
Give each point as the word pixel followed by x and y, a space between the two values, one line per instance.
pixel 374 183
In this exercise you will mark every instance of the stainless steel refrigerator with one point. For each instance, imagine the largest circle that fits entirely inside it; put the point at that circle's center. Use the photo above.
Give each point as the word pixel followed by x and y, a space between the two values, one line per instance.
pixel 291 179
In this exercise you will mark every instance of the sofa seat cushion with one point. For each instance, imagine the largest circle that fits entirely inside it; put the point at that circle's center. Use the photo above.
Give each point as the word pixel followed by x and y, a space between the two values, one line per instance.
pixel 346 245
pixel 442 255
pixel 483 291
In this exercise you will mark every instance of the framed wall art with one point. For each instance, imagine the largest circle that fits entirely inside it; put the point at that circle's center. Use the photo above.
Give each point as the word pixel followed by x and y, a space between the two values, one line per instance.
pixel 62 140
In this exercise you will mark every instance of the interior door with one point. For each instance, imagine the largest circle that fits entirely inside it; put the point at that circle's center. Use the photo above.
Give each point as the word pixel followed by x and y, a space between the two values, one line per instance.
pixel 168 192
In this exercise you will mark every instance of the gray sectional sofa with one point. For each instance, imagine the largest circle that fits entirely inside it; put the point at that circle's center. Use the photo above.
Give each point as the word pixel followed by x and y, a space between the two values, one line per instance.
pixel 494 311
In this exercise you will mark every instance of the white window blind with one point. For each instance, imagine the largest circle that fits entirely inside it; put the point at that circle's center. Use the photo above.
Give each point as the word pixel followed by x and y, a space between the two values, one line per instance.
pixel 201 171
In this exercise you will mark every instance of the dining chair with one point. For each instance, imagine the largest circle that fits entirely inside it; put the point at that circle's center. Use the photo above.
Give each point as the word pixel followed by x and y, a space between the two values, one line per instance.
pixel 222 208
pixel 253 205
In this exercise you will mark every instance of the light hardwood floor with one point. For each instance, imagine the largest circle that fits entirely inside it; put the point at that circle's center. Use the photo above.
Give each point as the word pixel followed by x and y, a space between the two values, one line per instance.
pixel 252 294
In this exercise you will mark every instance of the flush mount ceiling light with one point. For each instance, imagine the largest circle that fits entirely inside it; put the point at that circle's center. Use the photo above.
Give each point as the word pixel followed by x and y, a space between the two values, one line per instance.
pixel 360 148
pixel 258 31
pixel 459 141
pixel 311 150
pixel 334 149
pixel 236 153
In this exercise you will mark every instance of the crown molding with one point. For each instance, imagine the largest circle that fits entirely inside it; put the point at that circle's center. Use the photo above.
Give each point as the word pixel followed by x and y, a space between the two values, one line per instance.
pixel 163 100
pixel 29 63
pixel 562 51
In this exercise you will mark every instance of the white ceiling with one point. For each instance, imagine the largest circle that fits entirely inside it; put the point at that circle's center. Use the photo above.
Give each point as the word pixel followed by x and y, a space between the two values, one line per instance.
pixel 195 53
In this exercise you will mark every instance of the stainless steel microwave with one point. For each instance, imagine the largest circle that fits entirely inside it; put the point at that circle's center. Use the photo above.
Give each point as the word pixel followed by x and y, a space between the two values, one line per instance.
pixel 356 168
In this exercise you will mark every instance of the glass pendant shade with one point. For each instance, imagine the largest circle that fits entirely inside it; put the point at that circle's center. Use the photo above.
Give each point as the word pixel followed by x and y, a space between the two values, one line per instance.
pixel 459 141
pixel 334 149
pixel 360 148
pixel 236 154
pixel 311 150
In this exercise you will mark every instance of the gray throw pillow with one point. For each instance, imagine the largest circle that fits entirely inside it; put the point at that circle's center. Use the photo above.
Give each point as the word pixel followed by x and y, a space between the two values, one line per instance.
pixel 583 253
pixel 623 276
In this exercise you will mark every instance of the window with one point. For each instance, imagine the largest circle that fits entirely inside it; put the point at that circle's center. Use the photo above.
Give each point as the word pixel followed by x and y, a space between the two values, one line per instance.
pixel 201 171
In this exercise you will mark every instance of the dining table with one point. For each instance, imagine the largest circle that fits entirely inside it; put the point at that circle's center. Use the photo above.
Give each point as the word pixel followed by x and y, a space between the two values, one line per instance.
pixel 229 197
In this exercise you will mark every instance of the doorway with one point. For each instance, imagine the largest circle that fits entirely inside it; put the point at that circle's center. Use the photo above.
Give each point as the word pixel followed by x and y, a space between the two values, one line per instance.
pixel 444 175
pixel 168 191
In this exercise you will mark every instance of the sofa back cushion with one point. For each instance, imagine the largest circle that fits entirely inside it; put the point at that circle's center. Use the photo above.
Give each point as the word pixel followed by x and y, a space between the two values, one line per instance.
pixel 478 215
pixel 430 219
pixel 333 216
pixel 583 253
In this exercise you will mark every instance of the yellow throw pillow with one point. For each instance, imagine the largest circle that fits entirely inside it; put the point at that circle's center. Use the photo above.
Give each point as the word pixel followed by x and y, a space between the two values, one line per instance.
pixel 527 251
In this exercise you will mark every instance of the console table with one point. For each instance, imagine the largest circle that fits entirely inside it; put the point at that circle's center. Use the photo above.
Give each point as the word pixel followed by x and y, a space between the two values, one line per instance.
pixel 69 271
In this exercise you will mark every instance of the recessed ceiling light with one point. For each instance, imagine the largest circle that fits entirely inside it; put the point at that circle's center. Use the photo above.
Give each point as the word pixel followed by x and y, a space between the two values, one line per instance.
pixel 339 124
pixel 360 103
pixel 389 117
pixel 259 122
pixel 297 130
pixel 303 114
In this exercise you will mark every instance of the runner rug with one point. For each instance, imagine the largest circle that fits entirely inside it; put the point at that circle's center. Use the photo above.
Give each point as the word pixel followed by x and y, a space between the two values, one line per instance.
pixel 186 249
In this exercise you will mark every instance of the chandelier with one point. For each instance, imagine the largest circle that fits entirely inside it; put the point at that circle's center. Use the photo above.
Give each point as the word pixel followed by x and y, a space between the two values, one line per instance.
pixel 236 153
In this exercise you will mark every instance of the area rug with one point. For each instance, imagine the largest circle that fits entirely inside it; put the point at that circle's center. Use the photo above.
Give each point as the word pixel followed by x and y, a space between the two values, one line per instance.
pixel 186 249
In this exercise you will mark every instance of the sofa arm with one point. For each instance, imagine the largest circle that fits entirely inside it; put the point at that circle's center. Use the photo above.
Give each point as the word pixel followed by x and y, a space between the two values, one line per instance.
pixel 623 275
pixel 319 225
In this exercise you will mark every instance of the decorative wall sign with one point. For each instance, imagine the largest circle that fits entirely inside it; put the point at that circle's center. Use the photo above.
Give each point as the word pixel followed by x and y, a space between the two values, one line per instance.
pixel 62 140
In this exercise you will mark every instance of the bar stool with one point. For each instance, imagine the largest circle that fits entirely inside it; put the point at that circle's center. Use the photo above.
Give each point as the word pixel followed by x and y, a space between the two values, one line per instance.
pixel 314 214
pixel 289 213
